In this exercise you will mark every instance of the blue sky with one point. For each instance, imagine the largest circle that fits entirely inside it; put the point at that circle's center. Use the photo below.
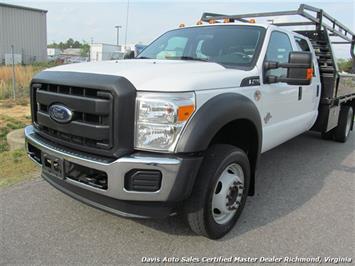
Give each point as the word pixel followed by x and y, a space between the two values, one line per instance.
pixel 83 20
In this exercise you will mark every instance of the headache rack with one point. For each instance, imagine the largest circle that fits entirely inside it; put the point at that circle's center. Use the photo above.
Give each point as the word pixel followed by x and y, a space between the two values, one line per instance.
pixel 337 87
pixel 312 15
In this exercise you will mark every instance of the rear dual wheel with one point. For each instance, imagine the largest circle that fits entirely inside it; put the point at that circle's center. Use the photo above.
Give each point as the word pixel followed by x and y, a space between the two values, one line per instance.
pixel 346 118
pixel 220 191
pixel 345 123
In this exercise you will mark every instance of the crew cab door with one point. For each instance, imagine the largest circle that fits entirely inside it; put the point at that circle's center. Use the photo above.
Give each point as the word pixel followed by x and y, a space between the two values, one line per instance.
pixel 309 94
pixel 284 115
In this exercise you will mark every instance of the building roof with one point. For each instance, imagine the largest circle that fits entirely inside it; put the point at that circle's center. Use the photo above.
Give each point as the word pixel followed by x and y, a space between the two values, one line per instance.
pixel 106 44
pixel 23 7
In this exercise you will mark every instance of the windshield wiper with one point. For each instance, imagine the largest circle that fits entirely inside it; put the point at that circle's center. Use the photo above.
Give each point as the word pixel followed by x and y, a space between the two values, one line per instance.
pixel 193 58
pixel 187 58
pixel 144 57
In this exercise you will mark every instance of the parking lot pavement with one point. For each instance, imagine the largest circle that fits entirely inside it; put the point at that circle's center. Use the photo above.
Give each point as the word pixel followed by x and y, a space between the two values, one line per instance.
pixel 304 206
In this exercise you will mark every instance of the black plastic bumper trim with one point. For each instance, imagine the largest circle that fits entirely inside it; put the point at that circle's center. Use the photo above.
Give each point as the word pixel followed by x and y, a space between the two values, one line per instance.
pixel 131 209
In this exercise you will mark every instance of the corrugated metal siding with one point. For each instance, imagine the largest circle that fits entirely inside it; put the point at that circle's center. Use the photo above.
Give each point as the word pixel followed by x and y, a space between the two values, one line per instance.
pixel 26 30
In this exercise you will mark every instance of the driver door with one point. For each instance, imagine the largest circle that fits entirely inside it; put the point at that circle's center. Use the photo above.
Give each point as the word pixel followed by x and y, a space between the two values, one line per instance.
pixel 280 116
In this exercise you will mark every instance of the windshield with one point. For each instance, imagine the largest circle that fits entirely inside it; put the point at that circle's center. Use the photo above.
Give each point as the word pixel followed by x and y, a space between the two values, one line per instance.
pixel 231 45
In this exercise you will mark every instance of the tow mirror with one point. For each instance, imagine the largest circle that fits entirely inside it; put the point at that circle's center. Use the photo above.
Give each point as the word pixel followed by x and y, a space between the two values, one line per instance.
pixel 299 69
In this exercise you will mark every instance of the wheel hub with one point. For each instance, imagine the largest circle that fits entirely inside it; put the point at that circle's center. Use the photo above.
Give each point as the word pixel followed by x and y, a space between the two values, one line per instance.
pixel 228 193
pixel 234 196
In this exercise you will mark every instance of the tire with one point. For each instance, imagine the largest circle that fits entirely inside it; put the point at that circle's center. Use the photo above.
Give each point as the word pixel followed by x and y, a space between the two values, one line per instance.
pixel 345 122
pixel 220 175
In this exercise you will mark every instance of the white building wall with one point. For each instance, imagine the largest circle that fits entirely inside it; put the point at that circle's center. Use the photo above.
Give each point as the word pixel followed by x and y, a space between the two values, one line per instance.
pixel 103 51
pixel 53 51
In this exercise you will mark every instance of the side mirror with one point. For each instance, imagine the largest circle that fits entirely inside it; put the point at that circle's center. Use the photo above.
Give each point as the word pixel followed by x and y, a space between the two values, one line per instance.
pixel 299 69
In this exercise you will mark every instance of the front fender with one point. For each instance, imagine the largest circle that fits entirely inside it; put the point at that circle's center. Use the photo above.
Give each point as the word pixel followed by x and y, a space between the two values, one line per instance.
pixel 212 116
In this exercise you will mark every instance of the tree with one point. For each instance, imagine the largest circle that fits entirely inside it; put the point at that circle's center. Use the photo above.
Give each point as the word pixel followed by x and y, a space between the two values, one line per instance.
pixel 53 45
pixel 85 49
pixel 345 65
pixel 71 43
pixel 61 46
pixel 77 44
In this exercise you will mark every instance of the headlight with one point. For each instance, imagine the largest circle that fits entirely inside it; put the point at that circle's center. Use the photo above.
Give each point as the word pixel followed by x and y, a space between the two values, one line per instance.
pixel 160 119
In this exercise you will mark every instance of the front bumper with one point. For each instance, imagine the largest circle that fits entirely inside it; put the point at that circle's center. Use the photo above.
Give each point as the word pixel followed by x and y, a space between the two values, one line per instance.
pixel 178 175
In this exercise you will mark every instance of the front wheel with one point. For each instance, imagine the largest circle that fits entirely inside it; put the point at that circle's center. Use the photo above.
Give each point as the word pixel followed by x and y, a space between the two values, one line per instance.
pixel 220 191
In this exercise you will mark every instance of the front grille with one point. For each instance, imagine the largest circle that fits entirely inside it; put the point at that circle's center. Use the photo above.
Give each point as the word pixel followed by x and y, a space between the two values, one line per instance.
pixel 91 123
pixel 102 107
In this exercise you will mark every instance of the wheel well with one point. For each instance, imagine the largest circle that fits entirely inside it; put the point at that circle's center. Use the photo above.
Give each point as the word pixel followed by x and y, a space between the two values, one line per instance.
pixel 243 134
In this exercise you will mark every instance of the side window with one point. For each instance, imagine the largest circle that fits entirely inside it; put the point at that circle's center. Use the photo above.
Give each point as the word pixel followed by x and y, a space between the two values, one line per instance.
pixel 278 50
pixel 302 44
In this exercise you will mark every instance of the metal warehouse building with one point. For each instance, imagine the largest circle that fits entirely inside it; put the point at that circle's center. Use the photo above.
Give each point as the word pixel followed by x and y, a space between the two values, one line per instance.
pixel 26 29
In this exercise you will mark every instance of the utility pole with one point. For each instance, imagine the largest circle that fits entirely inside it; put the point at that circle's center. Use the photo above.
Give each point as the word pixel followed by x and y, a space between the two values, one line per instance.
pixel 125 41
pixel 118 27
pixel 13 72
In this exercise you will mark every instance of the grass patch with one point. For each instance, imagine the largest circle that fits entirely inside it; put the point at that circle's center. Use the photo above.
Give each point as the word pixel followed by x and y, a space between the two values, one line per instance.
pixel 8 124
pixel 12 117
pixel 16 167
pixel 23 76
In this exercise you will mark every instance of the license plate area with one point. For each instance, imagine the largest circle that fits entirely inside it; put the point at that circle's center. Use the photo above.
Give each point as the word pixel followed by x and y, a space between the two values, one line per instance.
pixel 52 165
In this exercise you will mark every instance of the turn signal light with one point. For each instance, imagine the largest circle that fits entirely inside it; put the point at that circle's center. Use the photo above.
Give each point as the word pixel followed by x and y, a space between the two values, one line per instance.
pixel 309 73
pixel 185 112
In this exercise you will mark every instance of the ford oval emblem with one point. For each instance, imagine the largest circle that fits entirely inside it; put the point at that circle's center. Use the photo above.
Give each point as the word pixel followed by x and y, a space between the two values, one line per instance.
pixel 60 113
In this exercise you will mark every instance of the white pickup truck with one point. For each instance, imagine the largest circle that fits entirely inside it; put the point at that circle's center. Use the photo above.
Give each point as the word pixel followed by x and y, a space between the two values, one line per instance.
pixel 181 127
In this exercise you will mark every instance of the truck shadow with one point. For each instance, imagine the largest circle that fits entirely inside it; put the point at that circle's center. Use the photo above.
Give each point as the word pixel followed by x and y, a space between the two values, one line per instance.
pixel 288 177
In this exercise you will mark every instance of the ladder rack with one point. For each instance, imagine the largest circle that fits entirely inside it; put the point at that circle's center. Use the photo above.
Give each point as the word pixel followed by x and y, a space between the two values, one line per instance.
pixel 320 20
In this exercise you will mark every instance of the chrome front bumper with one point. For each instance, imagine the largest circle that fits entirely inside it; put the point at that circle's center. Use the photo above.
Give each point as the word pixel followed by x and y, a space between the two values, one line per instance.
pixel 169 166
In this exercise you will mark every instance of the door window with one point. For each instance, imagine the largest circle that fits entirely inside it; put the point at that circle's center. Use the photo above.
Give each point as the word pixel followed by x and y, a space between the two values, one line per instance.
pixel 302 44
pixel 278 50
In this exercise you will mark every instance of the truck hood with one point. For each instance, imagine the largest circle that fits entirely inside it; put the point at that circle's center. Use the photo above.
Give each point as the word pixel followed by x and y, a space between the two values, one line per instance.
pixel 165 75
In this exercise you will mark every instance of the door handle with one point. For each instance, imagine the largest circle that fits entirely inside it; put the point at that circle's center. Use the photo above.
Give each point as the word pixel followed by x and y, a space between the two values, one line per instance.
pixel 300 93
